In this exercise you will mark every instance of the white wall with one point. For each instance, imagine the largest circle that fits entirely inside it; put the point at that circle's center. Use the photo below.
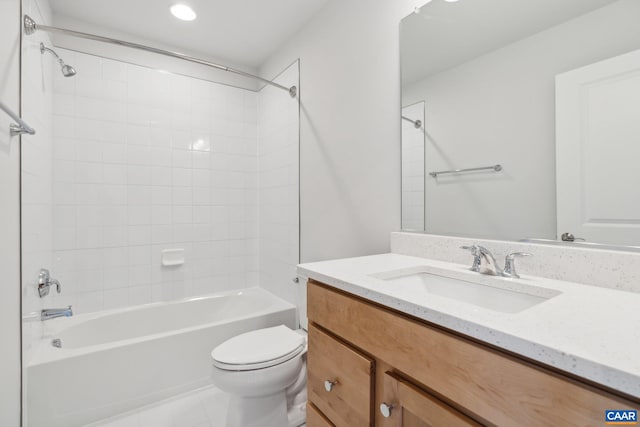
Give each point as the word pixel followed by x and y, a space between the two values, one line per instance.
pixel 146 161
pixel 350 126
pixel 499 108
pixel 9 217
pixel 278 221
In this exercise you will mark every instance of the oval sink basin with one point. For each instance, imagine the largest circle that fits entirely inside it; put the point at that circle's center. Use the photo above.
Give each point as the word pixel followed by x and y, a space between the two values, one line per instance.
pixel 513 300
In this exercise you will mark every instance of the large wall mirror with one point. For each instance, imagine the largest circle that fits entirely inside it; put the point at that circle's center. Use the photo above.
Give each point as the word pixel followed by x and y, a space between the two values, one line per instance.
pixel 521 120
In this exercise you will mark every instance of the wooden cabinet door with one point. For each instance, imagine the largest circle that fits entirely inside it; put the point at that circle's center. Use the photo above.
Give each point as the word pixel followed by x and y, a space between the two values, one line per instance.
pixel 340 382
pixel 405 405
pixel 315 418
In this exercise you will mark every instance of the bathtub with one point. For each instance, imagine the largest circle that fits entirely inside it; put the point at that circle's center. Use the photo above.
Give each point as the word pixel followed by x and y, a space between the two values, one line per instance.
pixel 114 361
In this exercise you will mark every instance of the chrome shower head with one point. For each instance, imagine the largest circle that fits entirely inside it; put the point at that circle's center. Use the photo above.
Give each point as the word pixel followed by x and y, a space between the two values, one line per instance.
pixel 67 70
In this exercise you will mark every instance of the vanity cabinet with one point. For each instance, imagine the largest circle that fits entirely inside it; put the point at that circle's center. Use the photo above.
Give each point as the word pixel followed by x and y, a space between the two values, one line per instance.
pixel 316 418
pixel 407 405
pixel 386 369
pixel 340 380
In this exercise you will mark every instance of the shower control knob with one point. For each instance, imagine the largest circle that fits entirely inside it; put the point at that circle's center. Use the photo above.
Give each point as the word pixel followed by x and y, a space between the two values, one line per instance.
pixel 328 385
pixel 386 409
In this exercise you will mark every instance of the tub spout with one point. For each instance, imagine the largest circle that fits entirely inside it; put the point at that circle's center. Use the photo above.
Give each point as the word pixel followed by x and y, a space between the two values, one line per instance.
pixel 52 313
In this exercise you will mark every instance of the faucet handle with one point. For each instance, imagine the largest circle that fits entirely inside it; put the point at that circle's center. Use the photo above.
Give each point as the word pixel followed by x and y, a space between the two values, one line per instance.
pixel 43 276
pixel 514 255
pixel 510 264
pixel 477 254
pixel 45 281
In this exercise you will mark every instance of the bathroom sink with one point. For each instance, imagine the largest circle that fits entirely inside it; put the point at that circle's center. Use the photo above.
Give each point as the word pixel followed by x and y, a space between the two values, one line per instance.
pixel 513 300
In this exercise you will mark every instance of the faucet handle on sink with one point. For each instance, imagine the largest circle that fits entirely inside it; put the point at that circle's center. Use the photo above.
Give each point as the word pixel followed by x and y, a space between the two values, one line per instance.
pixel 477 254
pixel 510 264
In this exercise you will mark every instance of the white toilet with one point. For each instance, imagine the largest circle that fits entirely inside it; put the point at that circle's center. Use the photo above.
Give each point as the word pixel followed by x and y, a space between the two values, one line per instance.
pixel 264 371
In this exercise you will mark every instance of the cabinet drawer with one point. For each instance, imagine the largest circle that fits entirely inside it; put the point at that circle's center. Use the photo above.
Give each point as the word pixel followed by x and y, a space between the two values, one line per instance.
pixel 407 405
pixel 491 385
pixel 340 380
pixel 315 418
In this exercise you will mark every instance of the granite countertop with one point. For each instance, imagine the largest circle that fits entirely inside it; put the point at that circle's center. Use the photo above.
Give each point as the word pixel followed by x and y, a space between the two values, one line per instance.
pixel 588 331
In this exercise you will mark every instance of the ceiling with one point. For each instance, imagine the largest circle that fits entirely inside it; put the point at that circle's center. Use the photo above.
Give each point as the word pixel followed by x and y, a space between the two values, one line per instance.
pixel 443 35
pixel 244 32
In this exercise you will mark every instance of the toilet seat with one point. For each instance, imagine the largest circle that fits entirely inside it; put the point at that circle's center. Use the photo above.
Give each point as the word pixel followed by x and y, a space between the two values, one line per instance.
pixel 258 349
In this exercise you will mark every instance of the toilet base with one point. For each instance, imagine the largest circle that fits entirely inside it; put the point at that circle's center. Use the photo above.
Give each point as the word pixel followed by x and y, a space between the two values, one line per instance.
pixel 264 412
pixel 297 415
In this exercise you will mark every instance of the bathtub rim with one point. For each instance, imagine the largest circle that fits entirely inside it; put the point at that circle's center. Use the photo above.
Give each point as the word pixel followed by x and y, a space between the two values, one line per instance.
pixel 45 352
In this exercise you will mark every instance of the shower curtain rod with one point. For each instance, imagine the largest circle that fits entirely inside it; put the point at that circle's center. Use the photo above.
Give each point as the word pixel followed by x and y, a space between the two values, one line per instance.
pixel 17 129
pixel 30 27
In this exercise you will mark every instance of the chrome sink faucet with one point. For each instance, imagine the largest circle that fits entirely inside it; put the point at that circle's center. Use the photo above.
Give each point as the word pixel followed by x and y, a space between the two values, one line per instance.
pixel 484 262
pixel 52 313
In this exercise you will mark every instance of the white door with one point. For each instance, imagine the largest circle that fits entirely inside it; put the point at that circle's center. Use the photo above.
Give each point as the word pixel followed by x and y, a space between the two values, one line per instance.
pixel 598 151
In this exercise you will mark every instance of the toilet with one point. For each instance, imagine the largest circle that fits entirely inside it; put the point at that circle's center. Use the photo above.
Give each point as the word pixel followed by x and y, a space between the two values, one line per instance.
pixel 264 371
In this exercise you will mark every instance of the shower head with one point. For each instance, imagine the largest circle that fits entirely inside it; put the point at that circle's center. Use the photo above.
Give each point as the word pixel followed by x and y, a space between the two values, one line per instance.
pixel 67 70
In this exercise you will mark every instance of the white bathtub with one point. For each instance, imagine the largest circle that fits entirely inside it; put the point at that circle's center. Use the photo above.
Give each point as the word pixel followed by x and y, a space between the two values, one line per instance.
pixel 113 361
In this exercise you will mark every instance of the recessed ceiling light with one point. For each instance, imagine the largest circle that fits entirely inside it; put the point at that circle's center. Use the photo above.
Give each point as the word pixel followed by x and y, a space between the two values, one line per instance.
pixel 182 11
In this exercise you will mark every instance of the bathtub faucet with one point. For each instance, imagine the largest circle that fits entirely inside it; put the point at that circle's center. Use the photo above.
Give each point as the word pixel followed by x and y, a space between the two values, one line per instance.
pixel 52 313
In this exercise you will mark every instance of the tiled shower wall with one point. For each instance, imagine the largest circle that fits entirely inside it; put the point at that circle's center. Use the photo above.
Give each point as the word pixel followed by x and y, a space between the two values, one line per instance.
pixel 145 161
pixel 36 169
pixel 278 153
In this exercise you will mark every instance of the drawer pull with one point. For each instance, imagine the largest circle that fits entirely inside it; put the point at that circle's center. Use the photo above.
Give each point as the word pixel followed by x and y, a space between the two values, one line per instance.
pixel 385 410
pixel 328 385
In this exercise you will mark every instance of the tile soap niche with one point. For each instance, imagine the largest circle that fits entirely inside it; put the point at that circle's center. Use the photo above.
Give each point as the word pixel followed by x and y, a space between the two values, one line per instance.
pixel 172 257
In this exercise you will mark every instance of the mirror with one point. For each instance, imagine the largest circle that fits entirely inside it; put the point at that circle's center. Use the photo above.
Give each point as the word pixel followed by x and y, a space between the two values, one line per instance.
pixel 530 120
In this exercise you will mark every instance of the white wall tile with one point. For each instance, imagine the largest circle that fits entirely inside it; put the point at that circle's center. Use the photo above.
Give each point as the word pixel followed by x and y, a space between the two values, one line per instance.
pixel 115 298
pixel 139 235
pixel 114 173
pixel 161 176
pixel 88 302
pixel 181 177
pixel 133 177
pixel 272 240
pixel 39 238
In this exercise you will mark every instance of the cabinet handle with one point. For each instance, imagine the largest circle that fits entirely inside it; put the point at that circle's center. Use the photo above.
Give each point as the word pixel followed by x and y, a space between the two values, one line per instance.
pixel 328 385
pixel 385 410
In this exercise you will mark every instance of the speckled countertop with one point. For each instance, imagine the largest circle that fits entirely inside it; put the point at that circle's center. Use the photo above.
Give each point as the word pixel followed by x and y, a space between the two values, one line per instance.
pixel 588 331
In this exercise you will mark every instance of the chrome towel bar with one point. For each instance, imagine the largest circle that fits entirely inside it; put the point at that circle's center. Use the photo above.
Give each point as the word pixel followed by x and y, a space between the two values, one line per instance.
pixel 495 168
pixel 21 127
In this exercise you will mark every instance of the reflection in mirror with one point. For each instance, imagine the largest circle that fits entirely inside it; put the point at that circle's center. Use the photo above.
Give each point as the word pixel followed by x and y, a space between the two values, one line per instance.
pixel 548 90
pixel 413 167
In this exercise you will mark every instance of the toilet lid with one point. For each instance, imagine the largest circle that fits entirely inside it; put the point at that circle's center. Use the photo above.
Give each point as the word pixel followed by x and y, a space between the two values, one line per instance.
pixel 258 349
